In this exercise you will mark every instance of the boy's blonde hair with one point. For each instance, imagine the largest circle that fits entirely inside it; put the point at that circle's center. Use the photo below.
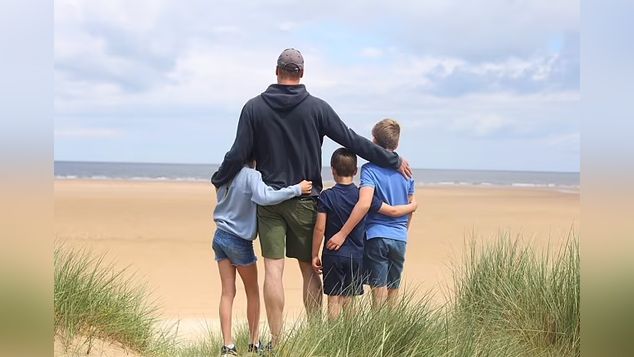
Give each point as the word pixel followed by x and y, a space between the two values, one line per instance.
pixel 386 133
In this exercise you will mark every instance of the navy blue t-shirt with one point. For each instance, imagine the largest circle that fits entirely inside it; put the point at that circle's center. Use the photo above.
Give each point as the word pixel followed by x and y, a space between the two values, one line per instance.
pixel 337 202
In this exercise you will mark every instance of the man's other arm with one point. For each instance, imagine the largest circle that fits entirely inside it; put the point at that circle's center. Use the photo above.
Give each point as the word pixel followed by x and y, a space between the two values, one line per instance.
pixel 338 131
pixel 318 237
pixel 239 152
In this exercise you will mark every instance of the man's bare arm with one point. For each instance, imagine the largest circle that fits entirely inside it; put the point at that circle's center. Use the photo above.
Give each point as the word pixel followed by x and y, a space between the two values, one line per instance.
pixel 318 237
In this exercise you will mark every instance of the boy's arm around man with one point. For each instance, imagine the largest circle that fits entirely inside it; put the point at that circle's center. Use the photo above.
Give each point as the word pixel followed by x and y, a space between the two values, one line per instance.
pixel 359 211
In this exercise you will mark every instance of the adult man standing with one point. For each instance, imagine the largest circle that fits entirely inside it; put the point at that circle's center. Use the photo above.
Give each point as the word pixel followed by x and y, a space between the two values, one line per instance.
pixel 283 128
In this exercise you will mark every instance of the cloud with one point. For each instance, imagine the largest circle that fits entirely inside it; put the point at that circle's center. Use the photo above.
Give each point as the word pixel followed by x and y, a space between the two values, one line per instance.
pixel 481 125
pixel 145 47
pixel 287 26
pixel 371 52
pixel 530 75
pixel 468 71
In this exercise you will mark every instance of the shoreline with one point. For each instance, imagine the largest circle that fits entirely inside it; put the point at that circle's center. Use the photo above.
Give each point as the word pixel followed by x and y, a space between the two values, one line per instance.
pixel 484 185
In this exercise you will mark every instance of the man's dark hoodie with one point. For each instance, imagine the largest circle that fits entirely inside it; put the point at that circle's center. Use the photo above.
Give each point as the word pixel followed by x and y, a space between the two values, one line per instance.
pixel 283 129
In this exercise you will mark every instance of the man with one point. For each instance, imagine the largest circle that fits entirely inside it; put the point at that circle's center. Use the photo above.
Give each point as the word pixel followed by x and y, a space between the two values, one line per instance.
pixel 284 128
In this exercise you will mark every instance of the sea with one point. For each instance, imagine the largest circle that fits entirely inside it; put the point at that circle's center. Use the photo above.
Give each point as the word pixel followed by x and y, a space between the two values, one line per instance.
pixel 83 170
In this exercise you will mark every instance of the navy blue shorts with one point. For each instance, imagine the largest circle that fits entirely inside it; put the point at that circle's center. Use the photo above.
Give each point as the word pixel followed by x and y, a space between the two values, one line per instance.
pixel 239 251
pixel 343 276
pixel 383 261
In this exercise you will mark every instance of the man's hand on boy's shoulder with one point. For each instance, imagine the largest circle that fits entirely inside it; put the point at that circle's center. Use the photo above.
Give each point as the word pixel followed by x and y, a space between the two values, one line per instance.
pixel 336 241
pixel 405 169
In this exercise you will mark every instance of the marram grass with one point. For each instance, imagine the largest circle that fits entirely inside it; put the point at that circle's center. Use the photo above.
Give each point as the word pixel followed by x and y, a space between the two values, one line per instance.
pixel 93 300
pixel 508 299
pixel 511 291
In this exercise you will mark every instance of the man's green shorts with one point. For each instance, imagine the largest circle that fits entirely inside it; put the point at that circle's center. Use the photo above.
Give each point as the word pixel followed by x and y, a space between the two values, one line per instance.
pixel 288 228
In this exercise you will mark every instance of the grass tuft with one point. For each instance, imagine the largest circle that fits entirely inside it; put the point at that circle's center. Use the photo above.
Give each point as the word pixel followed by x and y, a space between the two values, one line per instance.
pixel 508 300
pixel 511 292
pixel 93 301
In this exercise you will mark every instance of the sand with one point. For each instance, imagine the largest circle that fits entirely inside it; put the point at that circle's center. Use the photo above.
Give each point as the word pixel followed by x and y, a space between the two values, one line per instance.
pixel 162 231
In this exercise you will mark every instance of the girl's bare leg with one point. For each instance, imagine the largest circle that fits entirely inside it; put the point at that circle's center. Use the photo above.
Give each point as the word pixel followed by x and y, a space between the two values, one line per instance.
pixel 228 280
pixel 249 275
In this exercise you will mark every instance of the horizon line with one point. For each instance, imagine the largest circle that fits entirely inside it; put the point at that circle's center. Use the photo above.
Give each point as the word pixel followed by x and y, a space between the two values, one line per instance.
pixel 205 163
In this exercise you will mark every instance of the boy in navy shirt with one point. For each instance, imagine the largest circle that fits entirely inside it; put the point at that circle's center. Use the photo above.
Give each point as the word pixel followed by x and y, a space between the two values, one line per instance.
pixel 342 264
pixel 384 251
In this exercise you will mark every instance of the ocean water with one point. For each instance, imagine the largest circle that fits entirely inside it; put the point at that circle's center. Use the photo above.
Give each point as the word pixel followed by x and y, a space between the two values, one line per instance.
pixel 203 172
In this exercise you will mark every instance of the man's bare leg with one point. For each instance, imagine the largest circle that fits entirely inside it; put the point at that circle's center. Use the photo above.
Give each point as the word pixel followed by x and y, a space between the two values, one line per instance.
pixel 274 296
pixel 313 293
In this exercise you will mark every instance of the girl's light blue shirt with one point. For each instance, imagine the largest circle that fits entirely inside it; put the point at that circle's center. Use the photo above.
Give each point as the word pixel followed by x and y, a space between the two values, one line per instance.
pixel 236 209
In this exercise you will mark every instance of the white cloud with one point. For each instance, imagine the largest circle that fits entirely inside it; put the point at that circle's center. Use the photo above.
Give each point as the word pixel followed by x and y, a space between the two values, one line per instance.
pixel 441 72
pixel 481 125
pixel 287 26
pixel 371 52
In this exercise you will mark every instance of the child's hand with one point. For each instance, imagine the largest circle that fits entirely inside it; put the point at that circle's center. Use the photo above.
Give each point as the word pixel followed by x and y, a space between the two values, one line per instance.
pixel 306 186
pixel 317 264
pixel 336 241
pixel 414 204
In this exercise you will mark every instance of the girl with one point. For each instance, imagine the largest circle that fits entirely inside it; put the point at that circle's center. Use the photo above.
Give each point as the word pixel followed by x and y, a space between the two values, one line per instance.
pixel 236 222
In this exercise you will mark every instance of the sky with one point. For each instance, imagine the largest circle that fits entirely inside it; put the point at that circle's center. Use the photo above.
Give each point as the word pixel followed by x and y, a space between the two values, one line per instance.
pixel 486 85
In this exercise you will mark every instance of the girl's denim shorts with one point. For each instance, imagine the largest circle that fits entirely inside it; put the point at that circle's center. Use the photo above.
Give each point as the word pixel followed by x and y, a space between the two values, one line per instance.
pixel 238 250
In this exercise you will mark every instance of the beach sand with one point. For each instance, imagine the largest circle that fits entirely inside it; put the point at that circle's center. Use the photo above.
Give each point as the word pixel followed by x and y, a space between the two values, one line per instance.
pixel 162 231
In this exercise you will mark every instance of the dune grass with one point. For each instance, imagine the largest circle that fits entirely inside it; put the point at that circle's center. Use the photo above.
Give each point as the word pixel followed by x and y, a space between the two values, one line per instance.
pixel 522 296
pixel 94 301
pixel 409 328
pixel 508 299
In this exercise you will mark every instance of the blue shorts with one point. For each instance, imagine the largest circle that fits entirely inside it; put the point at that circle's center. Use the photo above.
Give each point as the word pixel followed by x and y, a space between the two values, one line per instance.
pixel 383 261
pixel 239 251
pixel 343 276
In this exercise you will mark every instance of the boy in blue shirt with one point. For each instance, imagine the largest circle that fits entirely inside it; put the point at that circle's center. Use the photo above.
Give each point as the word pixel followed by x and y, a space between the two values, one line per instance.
pixel 236 226
pixel 384 252
pixel 342 264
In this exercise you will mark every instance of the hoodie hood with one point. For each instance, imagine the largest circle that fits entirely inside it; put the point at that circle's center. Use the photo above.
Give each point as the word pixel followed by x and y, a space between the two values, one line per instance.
pixel 284 97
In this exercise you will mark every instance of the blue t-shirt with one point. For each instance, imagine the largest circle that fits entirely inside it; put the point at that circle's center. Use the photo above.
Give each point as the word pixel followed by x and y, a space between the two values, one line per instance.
pixel 337 202
pixel 394 189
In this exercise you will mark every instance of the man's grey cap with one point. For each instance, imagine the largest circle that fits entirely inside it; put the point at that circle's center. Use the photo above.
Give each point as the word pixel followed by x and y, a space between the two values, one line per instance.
pixel 291 60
